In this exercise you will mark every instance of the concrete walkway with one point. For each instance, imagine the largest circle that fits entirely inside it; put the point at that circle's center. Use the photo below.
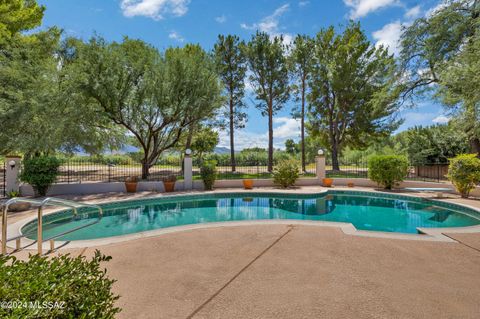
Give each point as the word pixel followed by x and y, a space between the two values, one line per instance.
pixel 281 271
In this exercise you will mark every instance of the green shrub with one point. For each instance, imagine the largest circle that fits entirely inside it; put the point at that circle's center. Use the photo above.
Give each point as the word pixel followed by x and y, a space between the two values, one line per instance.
pixel 208 172
pixel 464 173
pixel 286 173
pixel 40 172
pixel 58 287
pixel 387 170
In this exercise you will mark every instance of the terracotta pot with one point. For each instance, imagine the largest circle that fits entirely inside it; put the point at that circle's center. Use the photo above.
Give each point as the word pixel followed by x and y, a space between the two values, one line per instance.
pixel 327 182
pixel 350 184
pixel 248 183
pixel 169 186
pixel 131 187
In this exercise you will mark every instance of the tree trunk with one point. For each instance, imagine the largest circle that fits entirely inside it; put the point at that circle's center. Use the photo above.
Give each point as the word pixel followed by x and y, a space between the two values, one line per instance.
pixel 302 127
pixel 475 145
pixel 335 165
pixel 145 169
pixel 270 137
pixel 232 142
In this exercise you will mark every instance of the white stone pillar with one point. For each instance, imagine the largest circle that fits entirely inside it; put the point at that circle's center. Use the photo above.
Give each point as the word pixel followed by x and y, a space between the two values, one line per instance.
pixel 320 167
pixel 187 173
pixel 11 174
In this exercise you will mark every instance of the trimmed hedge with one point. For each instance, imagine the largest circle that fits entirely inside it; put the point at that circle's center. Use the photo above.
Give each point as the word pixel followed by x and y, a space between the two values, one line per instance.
pixel 464 173
pixel 387 170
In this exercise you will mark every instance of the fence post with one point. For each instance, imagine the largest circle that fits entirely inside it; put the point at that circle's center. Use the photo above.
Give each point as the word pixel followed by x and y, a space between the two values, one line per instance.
pixel 320 166
pixel 187 172
pixel 11 173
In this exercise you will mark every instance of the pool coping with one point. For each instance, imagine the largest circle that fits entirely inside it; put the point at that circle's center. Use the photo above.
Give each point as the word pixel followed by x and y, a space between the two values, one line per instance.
pixel 426 234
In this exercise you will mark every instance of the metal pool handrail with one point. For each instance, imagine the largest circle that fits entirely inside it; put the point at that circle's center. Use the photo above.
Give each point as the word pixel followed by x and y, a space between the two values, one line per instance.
pixel 49 201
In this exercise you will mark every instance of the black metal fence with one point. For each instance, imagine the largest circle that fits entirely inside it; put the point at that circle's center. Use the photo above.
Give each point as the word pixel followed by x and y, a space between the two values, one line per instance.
pixel 434 172
pixel 78 170
pixel 251 169
pixel 90 169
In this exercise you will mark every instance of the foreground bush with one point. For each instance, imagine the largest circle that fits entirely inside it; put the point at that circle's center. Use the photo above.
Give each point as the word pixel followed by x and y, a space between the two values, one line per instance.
pixel 208 172
pixel 387 170
pixel 40 172
pixel 464 173
pixel 286 173
pixel 58 287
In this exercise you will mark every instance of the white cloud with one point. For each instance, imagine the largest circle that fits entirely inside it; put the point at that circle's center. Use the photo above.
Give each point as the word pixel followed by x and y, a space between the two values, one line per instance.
pixel 288 128
pixel 389 36
pixel 361 8
pixel 413 13
pixel 441 119
pixel 271 24
pixel 302 4
pixel 221 19
pixel 155 9
pixel 174 35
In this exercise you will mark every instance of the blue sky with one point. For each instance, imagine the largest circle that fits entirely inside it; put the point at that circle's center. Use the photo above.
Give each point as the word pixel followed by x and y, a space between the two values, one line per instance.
pixel 165 23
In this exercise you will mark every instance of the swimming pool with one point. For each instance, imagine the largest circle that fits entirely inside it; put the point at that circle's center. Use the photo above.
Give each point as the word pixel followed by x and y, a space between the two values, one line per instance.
pixel 365 210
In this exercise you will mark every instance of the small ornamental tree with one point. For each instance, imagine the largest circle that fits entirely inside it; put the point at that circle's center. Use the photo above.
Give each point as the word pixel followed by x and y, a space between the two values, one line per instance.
pixel 286 173
pixel 40 172
pixel 208 172
pixel 464 173
pixel 387 170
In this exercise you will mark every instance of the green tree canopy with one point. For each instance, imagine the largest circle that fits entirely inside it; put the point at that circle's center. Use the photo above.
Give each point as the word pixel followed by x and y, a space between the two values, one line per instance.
pixel 352 99
pixel 432 144
pixel 154 97
pixel 269 77
pixel 17 16
pixel 440 56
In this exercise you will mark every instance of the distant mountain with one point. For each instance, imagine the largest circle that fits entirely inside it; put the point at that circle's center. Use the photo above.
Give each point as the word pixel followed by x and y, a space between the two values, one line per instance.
pixel 221 150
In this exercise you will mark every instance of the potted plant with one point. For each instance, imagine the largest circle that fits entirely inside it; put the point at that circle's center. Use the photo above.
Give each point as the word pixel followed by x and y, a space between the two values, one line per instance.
pixel 17 207
pixel 327 182
pixel 169 183
pixel 248 183
pixel 131 183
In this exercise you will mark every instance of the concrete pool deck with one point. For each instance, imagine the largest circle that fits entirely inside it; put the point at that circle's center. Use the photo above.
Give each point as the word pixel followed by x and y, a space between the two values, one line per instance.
pixel 292 271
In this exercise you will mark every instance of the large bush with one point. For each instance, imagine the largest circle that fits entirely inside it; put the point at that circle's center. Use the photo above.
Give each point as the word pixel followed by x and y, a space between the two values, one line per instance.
pixel 58 287
pixel 387 170
pixel 208 172
pixel 464 173
pixel 40 172
pixel 286 173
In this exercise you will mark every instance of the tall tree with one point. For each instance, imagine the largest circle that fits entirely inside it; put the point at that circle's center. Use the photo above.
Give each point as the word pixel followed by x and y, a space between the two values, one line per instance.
pixel 40 112
pixel 352 100
pixel 231 64
pixel 269 77
pixel 301 62
pixel 156 98
pixel 440 55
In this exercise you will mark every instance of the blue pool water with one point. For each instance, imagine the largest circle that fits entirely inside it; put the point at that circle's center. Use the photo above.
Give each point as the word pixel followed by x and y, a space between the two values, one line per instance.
pixel 366 211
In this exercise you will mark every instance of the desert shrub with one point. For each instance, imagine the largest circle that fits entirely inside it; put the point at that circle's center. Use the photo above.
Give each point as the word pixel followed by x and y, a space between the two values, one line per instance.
pixel 464 173
pixel 208 172
pixel 40 172
pixel 58 287
pixel 286 173
pixel 387 170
